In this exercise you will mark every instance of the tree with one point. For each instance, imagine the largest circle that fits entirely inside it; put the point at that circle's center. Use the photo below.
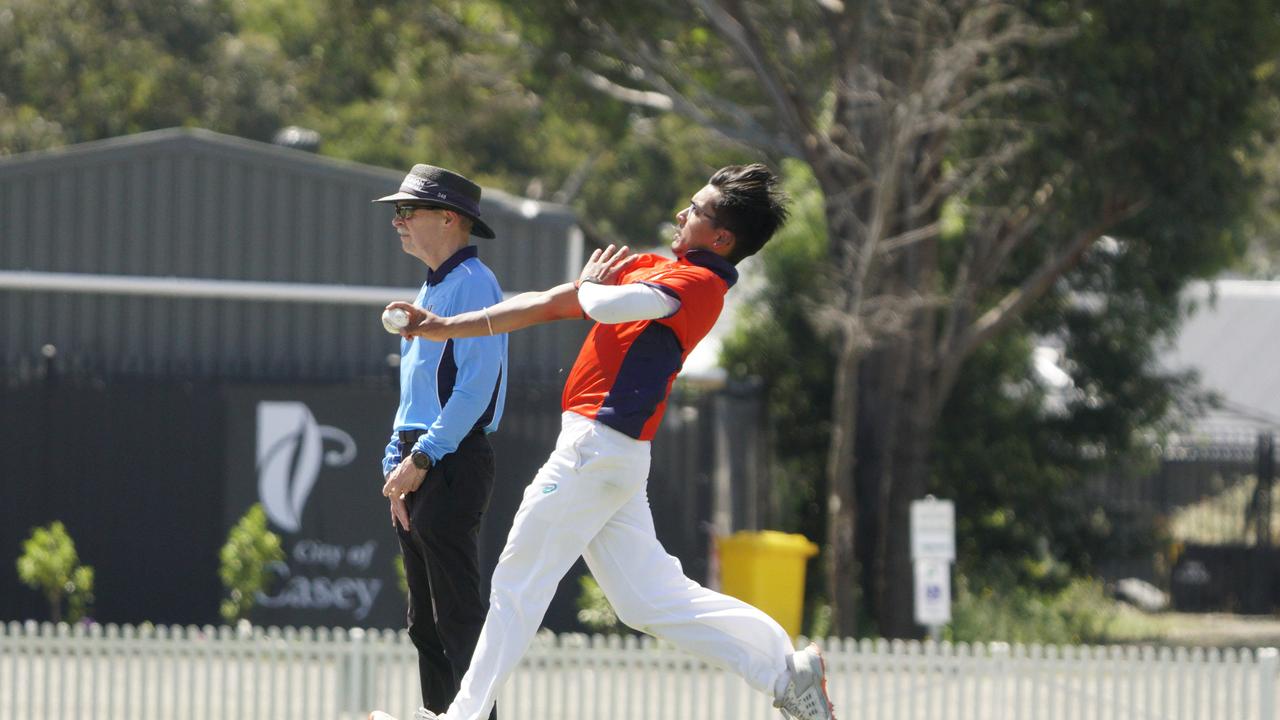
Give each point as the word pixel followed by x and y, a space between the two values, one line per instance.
pixel 1013 446
pixel 971 154
pixel 247 557
pixel 77 71
pixel 50 564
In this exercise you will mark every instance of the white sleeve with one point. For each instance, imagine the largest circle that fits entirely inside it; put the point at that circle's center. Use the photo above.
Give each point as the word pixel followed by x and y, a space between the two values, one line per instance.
pixel 610 304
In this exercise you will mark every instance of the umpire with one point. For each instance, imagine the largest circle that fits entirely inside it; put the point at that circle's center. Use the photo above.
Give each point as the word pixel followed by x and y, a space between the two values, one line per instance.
pixel 439 466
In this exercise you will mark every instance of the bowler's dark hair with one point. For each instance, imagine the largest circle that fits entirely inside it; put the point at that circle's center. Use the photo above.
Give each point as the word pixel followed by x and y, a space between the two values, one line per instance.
pixel 751 206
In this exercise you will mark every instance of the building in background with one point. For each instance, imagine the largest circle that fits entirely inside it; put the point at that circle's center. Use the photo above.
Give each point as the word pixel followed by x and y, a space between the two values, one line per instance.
pixel 1211 504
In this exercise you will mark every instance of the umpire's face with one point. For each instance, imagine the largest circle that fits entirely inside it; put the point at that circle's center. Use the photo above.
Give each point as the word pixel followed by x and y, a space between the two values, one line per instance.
pixel 420 227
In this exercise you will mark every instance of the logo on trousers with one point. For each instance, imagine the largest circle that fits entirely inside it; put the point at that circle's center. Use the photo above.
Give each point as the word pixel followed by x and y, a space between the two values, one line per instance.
pixel 549 488
pixel 290 453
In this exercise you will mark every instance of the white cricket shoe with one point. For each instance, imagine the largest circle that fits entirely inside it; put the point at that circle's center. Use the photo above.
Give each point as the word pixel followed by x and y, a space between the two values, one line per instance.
pixel 806 695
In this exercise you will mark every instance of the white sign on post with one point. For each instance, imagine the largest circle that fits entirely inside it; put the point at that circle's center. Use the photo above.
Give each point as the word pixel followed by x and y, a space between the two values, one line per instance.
pixel 933 530
pixel 933 549
pixel 933 592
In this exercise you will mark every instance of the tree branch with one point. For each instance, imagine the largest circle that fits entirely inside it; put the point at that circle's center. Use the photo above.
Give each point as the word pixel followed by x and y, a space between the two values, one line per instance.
pixel 911 237
pixel 631 96
pixel 732 121
pixel 966 175
pixel 1038 283
pixel 736 28
pixel 1015 228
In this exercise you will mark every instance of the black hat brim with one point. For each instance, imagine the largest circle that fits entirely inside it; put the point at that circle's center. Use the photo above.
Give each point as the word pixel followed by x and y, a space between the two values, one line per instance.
pixel 479 228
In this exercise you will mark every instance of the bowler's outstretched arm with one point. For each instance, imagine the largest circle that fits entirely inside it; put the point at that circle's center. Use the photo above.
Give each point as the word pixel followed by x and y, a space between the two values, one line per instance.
pixel 522 311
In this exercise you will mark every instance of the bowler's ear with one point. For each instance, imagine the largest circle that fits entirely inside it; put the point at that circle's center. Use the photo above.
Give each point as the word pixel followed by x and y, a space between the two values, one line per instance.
pixel 724 241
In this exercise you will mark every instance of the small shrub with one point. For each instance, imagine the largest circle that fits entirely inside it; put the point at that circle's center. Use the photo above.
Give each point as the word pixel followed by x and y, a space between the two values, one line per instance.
pixel 594 610
pixel 49 564
pixel 246 559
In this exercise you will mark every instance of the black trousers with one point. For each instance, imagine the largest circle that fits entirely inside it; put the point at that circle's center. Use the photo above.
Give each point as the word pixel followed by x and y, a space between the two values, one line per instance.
pixel 442 565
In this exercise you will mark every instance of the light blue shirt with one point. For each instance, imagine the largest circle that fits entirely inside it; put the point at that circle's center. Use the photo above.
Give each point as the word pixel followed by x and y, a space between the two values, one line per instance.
pixel 450 388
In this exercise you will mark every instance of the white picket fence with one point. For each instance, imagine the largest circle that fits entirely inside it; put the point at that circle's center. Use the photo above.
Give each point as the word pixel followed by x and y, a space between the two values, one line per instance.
pixel 189 673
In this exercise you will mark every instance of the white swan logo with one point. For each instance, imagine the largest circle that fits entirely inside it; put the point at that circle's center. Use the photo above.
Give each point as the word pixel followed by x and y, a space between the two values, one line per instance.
pixel 290 452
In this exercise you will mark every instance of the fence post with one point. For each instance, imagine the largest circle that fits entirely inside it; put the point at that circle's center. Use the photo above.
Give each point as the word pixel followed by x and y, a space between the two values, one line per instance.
pixel 1268 664
pixel 1000 659
pixel 355 659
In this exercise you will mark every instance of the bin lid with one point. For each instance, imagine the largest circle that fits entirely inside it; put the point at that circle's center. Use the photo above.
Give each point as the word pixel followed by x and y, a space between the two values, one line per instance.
pixel 769 540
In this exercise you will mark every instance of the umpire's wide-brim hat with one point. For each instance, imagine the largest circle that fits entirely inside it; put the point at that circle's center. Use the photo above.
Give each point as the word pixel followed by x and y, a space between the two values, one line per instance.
pixel 431 185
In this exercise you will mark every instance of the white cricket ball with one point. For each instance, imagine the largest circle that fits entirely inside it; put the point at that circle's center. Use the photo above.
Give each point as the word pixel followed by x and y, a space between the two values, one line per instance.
pixel 395 320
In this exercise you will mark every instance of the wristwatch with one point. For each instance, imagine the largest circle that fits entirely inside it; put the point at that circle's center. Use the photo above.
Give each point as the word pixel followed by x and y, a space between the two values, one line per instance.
pixel 421 460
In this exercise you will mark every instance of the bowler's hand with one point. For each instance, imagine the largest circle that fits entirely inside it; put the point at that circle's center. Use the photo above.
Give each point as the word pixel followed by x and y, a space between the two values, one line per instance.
pixel 422 323
pixel 405 478
pixel 604 265
pixel 400 513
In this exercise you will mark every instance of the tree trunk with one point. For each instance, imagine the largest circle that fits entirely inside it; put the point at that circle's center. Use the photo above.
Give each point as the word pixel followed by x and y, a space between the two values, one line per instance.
pixel 898 392
pixel 842 568
pixel 880 395
pixel 911 444
pixel 55 607
pixel 841 562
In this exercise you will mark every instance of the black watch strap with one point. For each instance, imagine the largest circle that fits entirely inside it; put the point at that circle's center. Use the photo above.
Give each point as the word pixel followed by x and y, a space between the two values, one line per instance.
pixel 421 460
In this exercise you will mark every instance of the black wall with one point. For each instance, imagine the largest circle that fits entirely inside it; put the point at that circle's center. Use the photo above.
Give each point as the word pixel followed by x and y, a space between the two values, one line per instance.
pixel 135 472
pixel 148 476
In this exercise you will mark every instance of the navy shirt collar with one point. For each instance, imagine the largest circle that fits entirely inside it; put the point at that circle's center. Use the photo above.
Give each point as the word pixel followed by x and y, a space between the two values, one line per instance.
pixel 714 263
pixel 435 277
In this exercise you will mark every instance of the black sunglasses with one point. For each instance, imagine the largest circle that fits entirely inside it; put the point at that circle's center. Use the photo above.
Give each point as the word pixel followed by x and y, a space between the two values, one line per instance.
pixel 404 212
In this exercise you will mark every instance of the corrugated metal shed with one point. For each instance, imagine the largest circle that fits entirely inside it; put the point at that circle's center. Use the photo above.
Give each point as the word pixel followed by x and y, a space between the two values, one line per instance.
pixel 190 203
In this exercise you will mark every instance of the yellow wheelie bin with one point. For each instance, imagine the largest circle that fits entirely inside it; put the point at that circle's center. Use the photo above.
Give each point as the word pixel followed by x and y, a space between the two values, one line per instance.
pixel 766 569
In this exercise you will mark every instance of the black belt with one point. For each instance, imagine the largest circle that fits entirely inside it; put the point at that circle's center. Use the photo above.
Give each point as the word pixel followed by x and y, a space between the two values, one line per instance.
pixel 409 437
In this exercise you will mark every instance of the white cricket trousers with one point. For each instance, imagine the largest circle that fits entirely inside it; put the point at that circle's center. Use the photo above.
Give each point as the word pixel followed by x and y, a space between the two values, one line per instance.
pixel 589 499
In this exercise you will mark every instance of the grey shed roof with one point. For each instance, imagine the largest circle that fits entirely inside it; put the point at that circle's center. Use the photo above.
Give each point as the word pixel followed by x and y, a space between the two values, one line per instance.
pixel 194 203
pixel 189 203
pixel 1232 340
